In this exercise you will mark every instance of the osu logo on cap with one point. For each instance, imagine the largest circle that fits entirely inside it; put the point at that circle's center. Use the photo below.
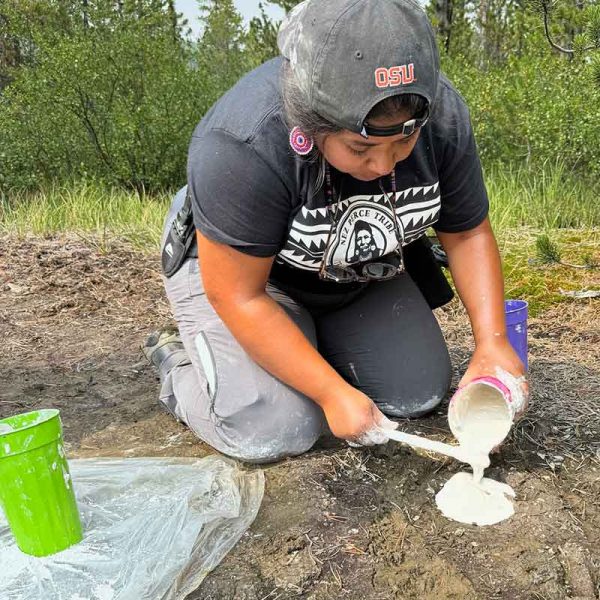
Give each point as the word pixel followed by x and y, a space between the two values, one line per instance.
pixel 393 76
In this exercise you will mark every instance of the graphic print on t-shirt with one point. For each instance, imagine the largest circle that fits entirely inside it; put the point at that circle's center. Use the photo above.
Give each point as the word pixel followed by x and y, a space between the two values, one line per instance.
pixel 366 243
pixel 365 229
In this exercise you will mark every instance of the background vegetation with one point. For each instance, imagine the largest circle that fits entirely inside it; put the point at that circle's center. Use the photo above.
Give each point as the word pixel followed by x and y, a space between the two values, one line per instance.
pixel 110 90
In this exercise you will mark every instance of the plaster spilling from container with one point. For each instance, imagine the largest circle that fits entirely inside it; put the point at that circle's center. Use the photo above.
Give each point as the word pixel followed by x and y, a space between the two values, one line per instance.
pixel 480 416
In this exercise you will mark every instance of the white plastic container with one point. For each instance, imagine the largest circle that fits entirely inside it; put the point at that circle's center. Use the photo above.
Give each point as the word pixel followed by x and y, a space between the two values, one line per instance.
pixel 481 414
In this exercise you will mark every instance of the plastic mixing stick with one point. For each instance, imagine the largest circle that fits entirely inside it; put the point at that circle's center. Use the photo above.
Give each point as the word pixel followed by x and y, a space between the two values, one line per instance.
pixel 426 444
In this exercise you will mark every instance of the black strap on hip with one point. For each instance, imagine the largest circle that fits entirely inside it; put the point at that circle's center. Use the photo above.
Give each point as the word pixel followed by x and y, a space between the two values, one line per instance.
pixel 179 239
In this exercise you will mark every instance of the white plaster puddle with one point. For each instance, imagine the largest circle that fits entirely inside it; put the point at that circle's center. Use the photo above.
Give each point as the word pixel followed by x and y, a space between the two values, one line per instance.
pixel 480 416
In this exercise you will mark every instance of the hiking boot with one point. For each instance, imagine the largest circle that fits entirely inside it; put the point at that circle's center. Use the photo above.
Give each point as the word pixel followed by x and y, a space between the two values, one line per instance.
pixel 164 349
pixel 161 345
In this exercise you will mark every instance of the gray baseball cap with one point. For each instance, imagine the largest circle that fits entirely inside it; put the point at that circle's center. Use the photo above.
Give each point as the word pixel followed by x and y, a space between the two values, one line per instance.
pixel 348 55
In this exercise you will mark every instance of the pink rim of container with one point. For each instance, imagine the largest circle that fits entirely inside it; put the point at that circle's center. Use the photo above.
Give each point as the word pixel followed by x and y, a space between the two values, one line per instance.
pixel 487 380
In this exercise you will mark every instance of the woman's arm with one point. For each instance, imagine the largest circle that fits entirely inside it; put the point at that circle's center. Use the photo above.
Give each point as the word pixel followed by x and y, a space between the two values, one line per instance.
pixel 235 286
pixel 477 272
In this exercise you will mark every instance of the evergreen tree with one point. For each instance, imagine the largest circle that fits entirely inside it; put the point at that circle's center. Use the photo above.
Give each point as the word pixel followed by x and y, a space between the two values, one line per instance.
pixel 261 41
pixel 221 55
pixel 573 30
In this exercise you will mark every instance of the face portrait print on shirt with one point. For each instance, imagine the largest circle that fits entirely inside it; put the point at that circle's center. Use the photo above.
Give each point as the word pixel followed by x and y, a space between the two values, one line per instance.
pixel 365 245
pixel 364 232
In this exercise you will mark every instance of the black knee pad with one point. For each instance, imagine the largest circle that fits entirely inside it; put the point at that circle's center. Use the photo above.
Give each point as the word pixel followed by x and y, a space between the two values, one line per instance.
pixel 422 400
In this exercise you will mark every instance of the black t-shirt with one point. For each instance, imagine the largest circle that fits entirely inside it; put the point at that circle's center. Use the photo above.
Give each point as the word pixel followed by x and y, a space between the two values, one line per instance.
pixel 251 191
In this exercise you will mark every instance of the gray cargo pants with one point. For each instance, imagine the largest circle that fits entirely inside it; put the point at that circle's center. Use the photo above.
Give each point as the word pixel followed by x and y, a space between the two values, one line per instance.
pixel 384 340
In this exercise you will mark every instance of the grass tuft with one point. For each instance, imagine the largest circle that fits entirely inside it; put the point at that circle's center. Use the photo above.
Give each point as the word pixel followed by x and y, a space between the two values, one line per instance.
pixel 547 250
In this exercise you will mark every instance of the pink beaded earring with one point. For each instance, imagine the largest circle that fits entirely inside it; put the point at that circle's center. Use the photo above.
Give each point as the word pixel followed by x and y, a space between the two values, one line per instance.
pixel 300 142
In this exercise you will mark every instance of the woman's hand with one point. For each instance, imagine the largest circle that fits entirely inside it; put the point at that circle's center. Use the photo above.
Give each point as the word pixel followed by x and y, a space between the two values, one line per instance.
pixel 354 417
pixel 493 357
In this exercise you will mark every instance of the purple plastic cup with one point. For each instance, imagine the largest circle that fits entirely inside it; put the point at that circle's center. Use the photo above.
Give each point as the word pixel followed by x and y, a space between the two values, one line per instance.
pixel 516 327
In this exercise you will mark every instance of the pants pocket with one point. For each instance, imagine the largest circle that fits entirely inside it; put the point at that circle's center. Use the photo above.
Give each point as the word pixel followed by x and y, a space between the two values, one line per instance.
pixel 209 365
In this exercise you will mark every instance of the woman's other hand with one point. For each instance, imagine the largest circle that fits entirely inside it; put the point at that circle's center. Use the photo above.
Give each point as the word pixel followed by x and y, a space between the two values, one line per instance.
pixel 493 358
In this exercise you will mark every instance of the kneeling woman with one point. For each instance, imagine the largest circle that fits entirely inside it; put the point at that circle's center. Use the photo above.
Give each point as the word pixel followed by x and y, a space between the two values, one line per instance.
pixel 305 298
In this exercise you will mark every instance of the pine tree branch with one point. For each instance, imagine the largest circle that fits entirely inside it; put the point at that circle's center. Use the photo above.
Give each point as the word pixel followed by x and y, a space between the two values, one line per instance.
pixel 568 51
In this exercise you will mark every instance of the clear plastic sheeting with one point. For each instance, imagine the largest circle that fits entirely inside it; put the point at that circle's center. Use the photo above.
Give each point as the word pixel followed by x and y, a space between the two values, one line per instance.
pixel 153 529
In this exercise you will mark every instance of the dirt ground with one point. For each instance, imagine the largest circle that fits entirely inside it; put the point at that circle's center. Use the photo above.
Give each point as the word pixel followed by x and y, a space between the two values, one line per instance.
pixel 337 522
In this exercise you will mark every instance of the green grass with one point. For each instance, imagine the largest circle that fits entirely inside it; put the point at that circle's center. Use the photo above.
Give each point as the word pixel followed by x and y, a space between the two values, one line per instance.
pixel 548 198
pixel 526 205
pixel 87 208
pixel 540 284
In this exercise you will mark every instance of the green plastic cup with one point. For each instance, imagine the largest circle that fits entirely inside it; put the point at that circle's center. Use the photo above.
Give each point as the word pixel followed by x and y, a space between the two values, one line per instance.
pixel 36 492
